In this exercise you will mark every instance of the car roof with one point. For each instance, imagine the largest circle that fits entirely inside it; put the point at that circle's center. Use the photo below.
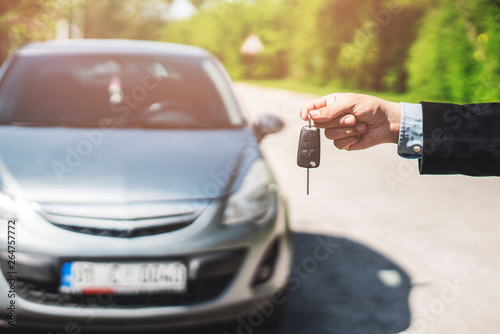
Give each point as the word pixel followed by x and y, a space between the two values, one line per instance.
pixel 112 46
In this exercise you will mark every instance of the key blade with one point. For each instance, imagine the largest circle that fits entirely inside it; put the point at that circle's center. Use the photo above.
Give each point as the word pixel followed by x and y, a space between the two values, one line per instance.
pixel 308 181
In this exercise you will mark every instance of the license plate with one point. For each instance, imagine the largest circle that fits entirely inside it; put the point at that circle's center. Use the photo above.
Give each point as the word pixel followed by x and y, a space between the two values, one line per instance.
pixel 123 278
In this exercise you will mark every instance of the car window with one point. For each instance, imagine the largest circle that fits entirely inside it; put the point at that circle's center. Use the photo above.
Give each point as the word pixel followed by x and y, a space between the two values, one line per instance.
pixel 132 91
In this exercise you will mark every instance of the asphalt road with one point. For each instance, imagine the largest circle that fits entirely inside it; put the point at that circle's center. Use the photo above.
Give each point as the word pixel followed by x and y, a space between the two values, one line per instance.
pixel 414 254
pixel 443 232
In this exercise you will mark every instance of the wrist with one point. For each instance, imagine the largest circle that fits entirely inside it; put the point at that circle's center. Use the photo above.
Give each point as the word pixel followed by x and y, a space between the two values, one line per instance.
pixel 394 119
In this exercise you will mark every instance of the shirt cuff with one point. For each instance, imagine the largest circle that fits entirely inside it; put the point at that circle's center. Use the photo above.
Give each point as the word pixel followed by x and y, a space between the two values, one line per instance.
pixel 410 143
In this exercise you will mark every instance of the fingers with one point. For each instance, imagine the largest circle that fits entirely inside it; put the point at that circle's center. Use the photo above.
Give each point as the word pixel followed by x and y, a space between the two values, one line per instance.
pixel 333 110
pixel 345 132
pixel 347 143
pixel 342 121
pixel 338 115
pixel 313 105
pixel 320 104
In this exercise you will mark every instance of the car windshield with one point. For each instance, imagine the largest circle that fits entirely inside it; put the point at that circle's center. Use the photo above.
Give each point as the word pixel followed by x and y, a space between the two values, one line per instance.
pixel 126 91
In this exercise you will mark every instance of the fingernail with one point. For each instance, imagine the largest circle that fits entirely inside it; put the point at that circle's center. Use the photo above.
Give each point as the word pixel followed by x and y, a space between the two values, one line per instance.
pixel 361 127
pixel 314 113
pixel 350 120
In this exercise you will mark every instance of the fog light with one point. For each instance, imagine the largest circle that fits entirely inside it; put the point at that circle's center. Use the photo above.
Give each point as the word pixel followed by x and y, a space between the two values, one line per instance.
pixel 264 273
pixel 266 268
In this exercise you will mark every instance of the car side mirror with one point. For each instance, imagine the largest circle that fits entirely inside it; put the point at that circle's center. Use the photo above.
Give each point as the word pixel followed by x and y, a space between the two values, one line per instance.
pixel 266 125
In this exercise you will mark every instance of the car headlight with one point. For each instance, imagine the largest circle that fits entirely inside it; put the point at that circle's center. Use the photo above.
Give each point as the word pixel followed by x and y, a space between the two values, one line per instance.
pixel 255 200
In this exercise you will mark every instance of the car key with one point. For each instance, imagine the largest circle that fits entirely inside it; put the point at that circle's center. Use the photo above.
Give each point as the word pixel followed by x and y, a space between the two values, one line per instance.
pixel 309 148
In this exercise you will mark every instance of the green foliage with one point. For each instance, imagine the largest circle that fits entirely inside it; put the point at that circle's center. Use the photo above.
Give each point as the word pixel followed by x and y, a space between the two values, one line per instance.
pixel 24 21
pixel 444 50
pixel 223 26
pixel 130 19
pixel 321 41
pixel 456 55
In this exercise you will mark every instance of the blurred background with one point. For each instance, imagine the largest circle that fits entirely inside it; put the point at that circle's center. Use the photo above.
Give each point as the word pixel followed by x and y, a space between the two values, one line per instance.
pixel 440 50
pixel 439 232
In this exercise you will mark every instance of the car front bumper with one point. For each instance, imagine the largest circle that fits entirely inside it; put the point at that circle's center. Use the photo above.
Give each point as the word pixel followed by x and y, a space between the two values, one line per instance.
pixel 42 241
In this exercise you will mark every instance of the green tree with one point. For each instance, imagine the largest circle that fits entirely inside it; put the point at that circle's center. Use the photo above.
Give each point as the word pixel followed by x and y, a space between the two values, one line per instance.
pixel 130 19
pixel 222 27
pixel 24 21
pixel 441 49
pixel 456 55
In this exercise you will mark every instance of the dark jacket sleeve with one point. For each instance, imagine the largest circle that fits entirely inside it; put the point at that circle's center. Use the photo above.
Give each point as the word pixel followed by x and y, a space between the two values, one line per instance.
pixel 461 139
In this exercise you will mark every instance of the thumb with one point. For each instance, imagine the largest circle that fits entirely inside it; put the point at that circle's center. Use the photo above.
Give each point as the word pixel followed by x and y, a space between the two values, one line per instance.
pixel 332 111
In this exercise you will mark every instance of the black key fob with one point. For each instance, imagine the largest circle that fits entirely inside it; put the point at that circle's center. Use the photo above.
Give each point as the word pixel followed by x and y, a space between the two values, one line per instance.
pixel 309 147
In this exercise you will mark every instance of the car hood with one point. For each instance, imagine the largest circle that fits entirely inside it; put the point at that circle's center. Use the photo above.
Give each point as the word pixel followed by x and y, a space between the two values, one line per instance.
pixel 68 165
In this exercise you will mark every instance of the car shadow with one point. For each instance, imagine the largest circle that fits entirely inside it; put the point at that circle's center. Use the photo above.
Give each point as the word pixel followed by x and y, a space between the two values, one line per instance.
pixel 352 290
pixel 336 286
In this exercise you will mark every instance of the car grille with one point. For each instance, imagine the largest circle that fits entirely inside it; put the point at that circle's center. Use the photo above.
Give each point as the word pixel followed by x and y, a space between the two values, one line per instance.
pixel 198 291
pixel 122 221
pixel 210 273
pixel 116 233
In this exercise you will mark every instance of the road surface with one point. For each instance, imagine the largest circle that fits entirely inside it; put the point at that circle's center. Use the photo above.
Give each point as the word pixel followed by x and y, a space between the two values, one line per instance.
pixel 442 231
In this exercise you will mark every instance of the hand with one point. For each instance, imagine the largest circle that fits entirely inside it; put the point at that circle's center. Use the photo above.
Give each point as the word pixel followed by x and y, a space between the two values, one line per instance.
pixel 355 121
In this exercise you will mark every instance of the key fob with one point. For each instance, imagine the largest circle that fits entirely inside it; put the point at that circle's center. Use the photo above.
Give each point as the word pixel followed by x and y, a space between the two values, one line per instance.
pixel 309 147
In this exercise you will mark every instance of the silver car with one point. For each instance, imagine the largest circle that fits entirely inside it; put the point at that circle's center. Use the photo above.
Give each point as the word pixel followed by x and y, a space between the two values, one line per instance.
pixel 133 193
